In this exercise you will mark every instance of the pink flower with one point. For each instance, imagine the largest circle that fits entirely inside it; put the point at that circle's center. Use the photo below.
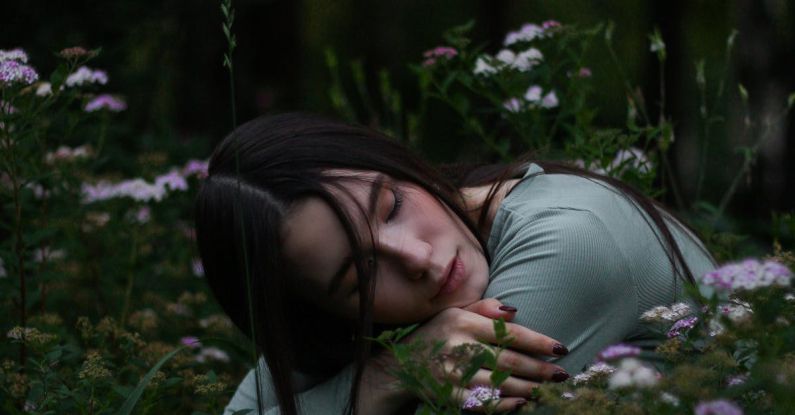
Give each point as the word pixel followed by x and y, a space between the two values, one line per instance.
pixel 195 167
pixel 718 407
pixel 173 180
pixel 550 24
pixel 682 326
pixel 618 351
pixel 432 55
pixel 12 72
pixel 105 102
pixel 190 341
pixel 584 72
pixel 481 395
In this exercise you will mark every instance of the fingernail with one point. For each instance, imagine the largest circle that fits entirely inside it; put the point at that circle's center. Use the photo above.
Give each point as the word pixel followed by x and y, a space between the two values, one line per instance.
pixel 520 404
pixel 508 308
pixel 560 376
pixel 560 349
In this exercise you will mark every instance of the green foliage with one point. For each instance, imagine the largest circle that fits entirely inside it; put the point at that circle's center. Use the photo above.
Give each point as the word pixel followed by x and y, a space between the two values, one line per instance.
pixel 94 307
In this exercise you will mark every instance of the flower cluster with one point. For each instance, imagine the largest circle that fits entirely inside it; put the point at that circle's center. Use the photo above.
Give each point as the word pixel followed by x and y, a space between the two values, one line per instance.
pixel 632 373
pixel 64 153
pixel 682 326
pixel 748 275
pixel 718 407
pixel 211 353
pixel 667 314
pixel 85 75
pixel 597 370
pixel 439 52
pixel 631 158
pixel 17 54
pixel 481 395
pixel 618 351
pixel 530 31
pixel 506 59
pixel 13 68
pixel 138 189
pixel 105 102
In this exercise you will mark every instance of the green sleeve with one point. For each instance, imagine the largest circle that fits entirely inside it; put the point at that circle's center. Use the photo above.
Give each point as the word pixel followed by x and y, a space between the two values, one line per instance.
pixel 564 272
pixel 328 397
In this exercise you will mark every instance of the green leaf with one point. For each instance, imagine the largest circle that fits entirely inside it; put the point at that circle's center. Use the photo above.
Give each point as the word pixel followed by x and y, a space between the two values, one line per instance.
pixel 498 376
pixel 132 399
pixel 743 92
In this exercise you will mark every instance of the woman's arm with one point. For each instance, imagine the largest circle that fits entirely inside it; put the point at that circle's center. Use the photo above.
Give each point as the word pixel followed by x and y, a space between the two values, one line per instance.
pixel 567 276
pixel 380 393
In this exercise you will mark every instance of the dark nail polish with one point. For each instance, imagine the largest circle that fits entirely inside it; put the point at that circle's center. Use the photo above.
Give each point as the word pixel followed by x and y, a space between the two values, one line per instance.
pixel 560 349
pixel 508 308
pixel 560 376
pixel 520 404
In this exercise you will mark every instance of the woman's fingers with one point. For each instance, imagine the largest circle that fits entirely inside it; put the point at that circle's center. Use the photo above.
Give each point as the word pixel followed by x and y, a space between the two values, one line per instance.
pixel 492 308
pixel 523 339
pixel 527 367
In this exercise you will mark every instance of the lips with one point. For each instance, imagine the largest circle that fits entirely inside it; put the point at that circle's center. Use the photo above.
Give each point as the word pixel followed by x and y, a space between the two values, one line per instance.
pixel 453 276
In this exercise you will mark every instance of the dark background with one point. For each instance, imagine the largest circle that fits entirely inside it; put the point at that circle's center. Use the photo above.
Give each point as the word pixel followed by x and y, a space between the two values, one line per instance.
pixel 165 58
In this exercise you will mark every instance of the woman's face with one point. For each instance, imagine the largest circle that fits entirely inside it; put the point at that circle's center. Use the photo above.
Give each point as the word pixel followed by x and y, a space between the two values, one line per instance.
pixel 427 258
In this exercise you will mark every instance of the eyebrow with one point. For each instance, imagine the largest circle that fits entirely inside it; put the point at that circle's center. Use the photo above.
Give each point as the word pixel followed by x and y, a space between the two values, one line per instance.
pixel 372 200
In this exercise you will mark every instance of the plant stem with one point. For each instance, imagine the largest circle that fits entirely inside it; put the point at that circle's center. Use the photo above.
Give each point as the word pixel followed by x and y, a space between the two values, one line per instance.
pixel 130 278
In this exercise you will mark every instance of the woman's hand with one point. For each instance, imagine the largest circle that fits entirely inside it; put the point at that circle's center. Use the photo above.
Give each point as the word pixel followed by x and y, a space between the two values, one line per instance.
pixel 474 324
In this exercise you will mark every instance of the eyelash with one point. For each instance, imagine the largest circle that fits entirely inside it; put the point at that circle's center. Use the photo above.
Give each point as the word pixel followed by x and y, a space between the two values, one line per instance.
pixel 398 204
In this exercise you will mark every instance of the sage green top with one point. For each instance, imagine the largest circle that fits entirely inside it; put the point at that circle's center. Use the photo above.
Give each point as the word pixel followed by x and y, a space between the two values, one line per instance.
pixel 577 259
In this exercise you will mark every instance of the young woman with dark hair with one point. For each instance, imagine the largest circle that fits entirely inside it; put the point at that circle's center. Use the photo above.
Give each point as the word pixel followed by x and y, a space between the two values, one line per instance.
pixel 316 235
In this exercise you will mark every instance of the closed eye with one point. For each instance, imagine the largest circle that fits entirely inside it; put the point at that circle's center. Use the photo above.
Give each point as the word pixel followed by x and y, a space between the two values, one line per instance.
pixel 398 196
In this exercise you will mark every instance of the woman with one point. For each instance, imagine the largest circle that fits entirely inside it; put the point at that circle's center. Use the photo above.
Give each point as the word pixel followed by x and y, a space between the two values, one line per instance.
pixel 343 232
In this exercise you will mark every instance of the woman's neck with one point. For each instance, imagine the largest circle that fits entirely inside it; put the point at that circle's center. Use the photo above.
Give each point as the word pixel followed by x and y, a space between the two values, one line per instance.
pixel 475 197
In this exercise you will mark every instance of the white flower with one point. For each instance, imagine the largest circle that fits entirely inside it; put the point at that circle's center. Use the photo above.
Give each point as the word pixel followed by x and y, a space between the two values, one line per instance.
pixel 737 311
pixel 513 105
pixel 506 56
pixel 483 68
pixel 550 100
pixel 198 268
pixel 669 399
pixel 211 353
pixel 665 314
pixel 85 75
pixel 64 153
pixel 527 33
pixel 527 59
pixel 44 89
pixel 595 370
pixel 567 396
pixel 14 55
pixel 631 157
pixel 533 93
pixel 40 254
pixel 631 372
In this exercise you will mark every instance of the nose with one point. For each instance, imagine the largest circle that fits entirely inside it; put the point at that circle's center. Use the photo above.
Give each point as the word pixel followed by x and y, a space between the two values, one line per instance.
pixel 413 255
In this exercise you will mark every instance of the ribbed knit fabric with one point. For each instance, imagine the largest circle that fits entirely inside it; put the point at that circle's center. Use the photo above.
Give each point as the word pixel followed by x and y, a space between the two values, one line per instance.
pixel 577 259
